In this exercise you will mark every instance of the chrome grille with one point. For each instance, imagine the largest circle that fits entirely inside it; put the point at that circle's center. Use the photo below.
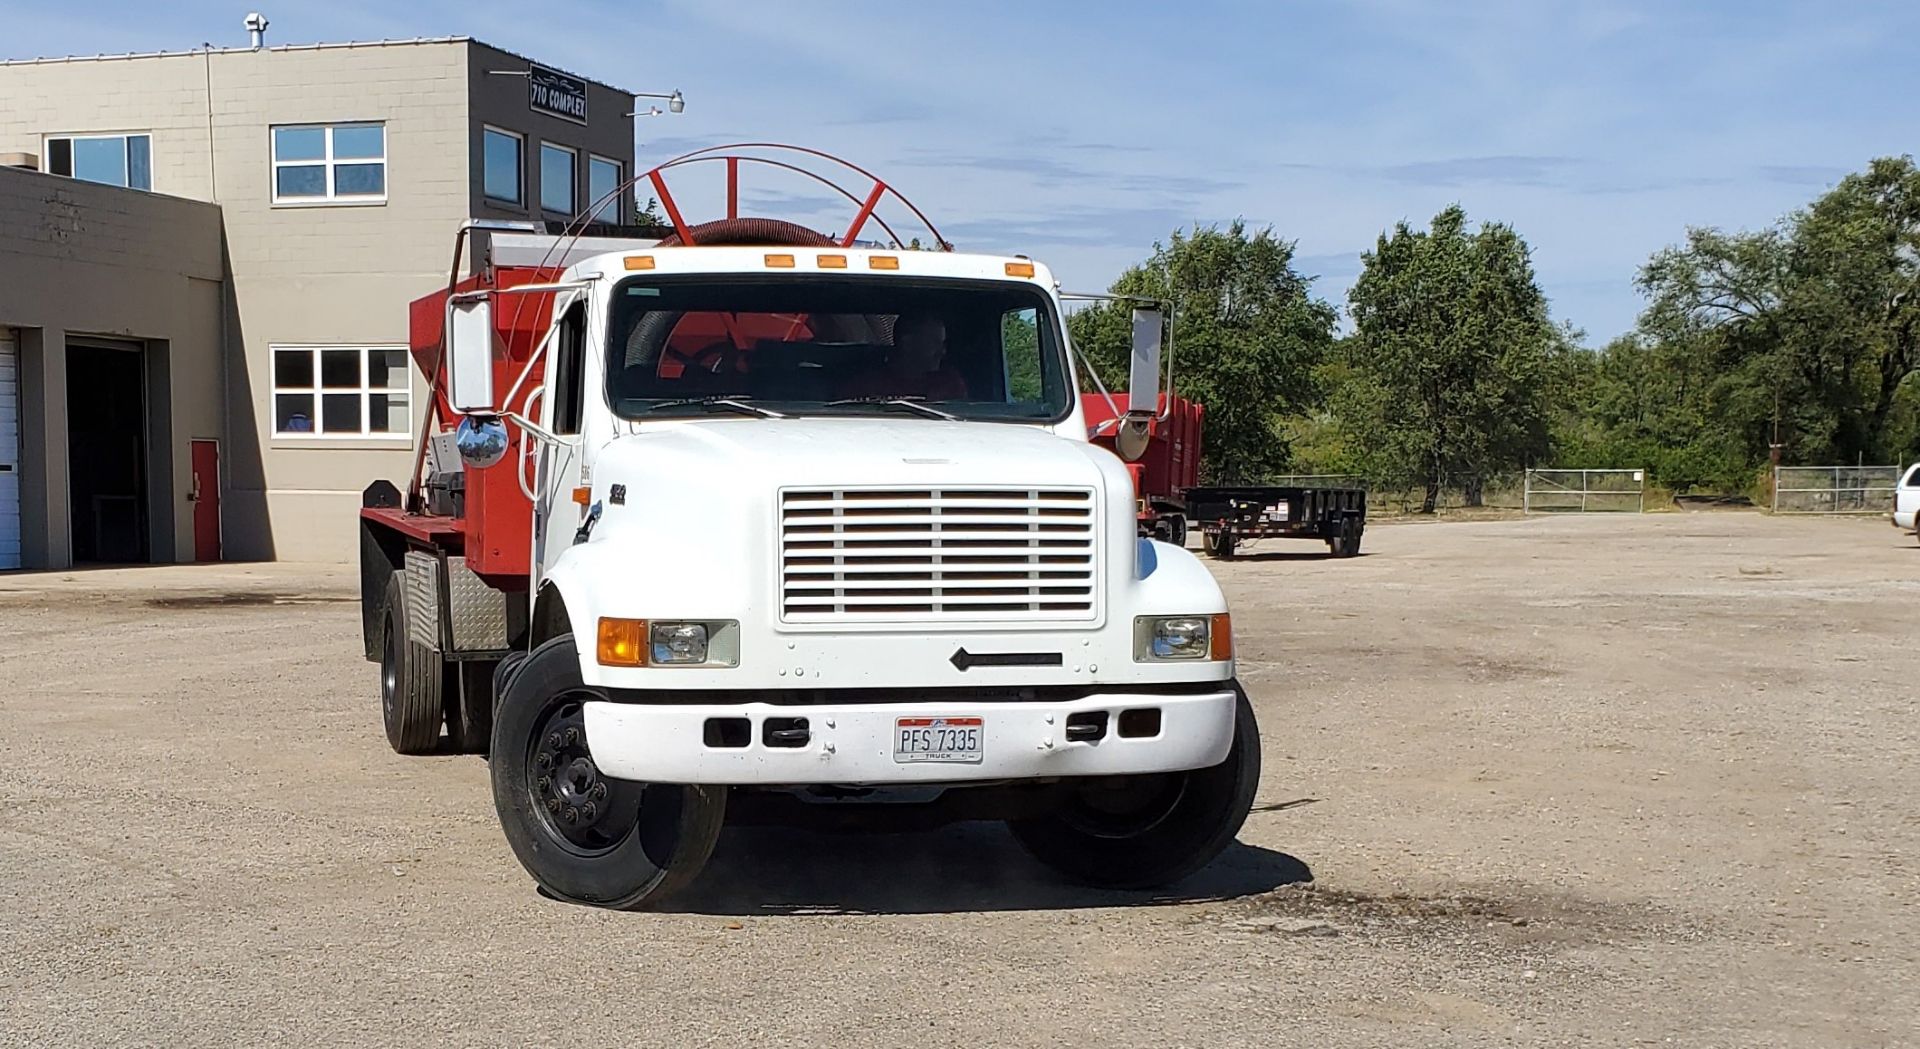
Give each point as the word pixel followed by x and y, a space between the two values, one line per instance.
pixel 903 554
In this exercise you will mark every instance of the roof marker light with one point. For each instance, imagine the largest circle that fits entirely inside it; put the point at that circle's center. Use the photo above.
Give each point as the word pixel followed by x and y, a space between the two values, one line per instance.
pixel 833 262
pixel 780 262
pixel 639 262
pixel 1019 269
pixel 883 262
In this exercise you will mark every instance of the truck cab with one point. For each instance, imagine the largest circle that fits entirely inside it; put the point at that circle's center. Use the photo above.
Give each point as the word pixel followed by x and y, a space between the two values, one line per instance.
pixel 805 527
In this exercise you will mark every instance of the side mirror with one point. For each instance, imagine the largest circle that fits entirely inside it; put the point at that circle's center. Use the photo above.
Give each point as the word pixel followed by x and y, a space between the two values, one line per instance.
pixel 1143 386
pixel 481 441
pixel 469 365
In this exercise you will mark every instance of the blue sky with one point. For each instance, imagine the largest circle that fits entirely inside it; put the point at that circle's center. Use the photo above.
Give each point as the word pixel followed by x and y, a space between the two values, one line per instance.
pixel 1081 133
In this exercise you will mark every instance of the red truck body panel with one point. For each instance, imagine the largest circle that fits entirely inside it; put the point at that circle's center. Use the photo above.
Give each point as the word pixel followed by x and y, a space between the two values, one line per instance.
pixel 496 532
pixel 1171 464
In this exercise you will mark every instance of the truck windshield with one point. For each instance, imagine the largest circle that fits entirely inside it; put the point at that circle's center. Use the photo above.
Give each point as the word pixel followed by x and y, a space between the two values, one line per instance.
pixel 835 346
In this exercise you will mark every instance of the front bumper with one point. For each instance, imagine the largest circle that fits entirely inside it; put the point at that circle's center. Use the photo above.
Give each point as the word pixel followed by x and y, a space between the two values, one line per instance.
pixel 853 743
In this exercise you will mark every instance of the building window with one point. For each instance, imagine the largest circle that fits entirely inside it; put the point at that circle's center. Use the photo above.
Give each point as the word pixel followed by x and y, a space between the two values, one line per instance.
pixel 603 178
pixel 341 391
pixel 322 163
pixel 500 166
pixel 556 178
pixel 114 160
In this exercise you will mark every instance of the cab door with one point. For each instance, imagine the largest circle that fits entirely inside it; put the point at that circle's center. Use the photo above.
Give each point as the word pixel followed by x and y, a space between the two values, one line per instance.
pixel 558 465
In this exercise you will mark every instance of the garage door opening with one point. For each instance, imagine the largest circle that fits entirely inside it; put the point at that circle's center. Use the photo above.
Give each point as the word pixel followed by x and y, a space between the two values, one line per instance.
pixel 107 454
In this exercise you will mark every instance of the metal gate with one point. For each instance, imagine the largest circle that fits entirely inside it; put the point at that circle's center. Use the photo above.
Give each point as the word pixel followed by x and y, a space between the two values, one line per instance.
pixel 1834 489
pixel 9 450
pixel 1584 491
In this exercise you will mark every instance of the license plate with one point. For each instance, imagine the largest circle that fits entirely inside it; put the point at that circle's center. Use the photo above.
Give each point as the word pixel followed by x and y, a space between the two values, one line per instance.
pixel 939 739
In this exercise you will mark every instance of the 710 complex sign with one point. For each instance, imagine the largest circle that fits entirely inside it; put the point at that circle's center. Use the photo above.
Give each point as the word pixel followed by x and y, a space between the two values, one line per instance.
pixel 557 93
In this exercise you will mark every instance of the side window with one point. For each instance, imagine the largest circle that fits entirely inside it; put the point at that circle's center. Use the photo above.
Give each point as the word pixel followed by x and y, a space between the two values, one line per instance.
pixel 1913 477
pixel 569 394
pixel 1020 348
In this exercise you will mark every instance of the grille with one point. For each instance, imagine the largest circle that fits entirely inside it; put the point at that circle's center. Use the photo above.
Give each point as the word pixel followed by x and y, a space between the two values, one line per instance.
pixel 939 553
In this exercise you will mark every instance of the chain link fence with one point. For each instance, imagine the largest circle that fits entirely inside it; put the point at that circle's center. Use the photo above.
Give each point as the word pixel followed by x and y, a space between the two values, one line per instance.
pixel 1585 491
pixel 1834 489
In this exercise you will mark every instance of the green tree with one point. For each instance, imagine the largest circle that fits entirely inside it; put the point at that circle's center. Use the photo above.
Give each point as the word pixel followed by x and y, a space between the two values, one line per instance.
pixel 1807 330
pixel 1247 335
pixel 1453 357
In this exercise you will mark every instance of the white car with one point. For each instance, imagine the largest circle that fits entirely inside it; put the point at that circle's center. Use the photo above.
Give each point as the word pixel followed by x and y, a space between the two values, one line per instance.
pixel 1906 500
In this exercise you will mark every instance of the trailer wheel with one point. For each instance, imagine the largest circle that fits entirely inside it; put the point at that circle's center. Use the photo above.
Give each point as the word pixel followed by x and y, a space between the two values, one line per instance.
pixel 1219 545
pixel 1138 832
pixel 585 837
pixel 1346 543
pixel 1177 526
pixel 412 679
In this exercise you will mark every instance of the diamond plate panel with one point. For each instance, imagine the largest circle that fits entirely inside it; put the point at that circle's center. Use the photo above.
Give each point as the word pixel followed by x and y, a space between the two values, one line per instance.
pixel 479 611
pixel 423 598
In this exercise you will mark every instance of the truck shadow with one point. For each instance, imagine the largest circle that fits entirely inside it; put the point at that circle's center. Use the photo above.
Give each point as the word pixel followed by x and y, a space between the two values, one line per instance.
pixel 1290 555
pixel 766 871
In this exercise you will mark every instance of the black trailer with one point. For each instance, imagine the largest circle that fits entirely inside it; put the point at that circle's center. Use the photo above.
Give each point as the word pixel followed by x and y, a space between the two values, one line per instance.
pixel 1228 515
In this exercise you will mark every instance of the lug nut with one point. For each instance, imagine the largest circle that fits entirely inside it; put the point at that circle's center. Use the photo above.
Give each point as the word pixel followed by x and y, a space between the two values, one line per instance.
pixel 553 804
pixel 599 791
pixel 570 814
pixel 543 760
pixel 589 811
pixel 553 740
pixel 546 783
pixel 573 735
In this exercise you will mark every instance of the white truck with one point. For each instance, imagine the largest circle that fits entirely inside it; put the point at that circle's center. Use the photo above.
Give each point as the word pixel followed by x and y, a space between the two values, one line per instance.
pixel 750 517
pixel 1906 501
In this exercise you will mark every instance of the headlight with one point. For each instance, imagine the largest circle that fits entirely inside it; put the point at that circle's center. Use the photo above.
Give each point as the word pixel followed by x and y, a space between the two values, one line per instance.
pixel 1181 637
pixel 679 643
pixel 669 643
pixel 1169 638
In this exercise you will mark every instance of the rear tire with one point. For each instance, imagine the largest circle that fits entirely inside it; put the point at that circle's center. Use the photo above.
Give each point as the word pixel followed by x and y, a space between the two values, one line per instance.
pixel 412 677
pixel 1139 832
pixel 626 845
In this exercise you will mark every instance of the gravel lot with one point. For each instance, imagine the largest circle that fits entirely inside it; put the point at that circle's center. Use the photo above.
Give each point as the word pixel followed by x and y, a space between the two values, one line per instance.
pixel 1626 780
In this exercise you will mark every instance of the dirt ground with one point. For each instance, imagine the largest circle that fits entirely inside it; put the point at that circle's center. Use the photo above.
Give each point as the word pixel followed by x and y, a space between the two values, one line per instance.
pixel 1621 780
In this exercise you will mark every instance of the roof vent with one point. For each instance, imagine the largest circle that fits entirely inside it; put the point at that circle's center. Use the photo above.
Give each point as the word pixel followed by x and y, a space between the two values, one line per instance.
pixel 257 28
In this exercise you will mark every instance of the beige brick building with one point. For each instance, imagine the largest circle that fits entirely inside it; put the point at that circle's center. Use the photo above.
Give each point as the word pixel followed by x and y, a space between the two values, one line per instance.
pixel 340 175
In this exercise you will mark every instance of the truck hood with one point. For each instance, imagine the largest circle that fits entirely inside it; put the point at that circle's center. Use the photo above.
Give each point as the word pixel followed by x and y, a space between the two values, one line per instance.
pixel 780 452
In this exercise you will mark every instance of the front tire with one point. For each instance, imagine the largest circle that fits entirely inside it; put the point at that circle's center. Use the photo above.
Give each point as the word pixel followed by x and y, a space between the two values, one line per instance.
pixel 1139 832
pixel 584 837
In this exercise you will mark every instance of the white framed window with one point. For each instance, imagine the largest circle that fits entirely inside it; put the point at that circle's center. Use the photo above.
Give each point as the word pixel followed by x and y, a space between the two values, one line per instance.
pixel 559 170
pixel 603 177
pixel 341 391
pixel 329 163
pixel 502 165
pixel 113 160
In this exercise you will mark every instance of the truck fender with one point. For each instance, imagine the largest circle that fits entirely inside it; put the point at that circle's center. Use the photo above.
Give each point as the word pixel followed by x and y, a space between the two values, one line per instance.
pixel 1170 580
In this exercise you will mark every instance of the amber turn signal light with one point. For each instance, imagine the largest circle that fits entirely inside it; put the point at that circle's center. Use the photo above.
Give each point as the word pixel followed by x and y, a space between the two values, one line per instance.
pixel 623 642
pixel 1220 634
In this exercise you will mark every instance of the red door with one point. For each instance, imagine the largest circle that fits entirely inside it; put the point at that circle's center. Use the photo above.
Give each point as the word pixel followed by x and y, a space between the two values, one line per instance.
pixel 205 496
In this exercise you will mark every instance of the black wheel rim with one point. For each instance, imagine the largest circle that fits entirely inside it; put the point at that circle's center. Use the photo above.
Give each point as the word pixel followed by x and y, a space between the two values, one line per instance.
pixel 1126 809
pixel 584 811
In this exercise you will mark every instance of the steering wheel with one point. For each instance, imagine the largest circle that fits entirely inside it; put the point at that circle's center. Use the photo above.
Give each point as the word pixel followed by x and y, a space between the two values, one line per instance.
pixel 721 358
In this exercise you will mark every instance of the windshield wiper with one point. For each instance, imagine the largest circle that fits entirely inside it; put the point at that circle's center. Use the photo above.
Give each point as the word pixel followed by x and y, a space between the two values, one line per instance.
pixel 913 404
pixel 738 402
